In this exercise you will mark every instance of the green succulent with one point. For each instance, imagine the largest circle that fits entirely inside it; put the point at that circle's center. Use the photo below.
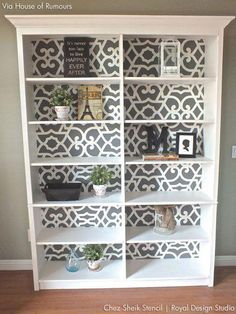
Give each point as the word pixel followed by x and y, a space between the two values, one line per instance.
pixel 93 252
pixel 100 175
pixel 61 97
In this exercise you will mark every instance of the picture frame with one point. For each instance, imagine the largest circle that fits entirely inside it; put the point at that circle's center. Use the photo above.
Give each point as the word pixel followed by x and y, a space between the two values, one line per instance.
pixel 90 104
pixel 186 144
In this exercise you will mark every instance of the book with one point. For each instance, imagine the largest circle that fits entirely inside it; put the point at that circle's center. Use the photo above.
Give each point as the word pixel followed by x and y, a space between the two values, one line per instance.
pixel 90 105
pixel 159 156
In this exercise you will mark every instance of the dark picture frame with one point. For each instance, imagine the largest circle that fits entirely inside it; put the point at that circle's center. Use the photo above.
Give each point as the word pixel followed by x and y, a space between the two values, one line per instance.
pixel 186 144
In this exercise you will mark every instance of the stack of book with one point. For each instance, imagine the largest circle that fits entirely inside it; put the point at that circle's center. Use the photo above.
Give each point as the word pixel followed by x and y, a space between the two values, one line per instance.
pixel 160 156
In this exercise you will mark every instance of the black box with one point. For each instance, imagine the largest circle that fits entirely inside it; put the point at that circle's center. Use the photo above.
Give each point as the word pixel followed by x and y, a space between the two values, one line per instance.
pixel 62 191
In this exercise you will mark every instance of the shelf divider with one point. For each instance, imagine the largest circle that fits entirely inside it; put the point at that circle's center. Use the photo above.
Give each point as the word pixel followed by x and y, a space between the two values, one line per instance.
pixel 167 198
pixel 79 235
pixel 168 80
pixel 73 80
pixel 112 198
pixel 73 161
pixel 146 234
pixel 73 122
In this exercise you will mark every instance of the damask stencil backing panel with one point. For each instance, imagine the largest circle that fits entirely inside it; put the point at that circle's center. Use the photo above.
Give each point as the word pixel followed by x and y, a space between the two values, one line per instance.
pixel 48 57
pixel 136 136
pixel 45 112
pixel 163 177
pixel 83 216
pixel 161 250
pixel 172 102
pixel 160 102
pixel 142 57
pixel 77 174
pixel 78 140
pixel 138 216
pixel 60 252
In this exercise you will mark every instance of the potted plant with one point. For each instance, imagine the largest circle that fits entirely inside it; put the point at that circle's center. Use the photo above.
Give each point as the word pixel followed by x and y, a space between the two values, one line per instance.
pixel 100 177
pixel 61 100
pixel 93 254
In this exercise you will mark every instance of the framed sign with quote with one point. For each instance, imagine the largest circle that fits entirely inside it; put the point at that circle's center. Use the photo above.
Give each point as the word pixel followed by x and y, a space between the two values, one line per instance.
pixel 76 57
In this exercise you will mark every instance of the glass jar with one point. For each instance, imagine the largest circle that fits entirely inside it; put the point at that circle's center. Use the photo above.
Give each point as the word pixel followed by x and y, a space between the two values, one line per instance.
pixel 72 261
pixel 164 220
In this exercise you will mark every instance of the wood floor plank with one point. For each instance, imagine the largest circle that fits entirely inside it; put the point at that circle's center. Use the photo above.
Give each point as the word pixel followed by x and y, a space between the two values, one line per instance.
pixel 17 296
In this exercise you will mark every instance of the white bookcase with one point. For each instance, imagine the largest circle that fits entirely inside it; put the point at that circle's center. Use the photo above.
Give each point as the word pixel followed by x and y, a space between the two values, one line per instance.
pixel 124 58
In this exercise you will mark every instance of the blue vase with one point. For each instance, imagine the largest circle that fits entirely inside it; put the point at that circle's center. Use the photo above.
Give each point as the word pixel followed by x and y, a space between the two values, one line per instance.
pixel 72 261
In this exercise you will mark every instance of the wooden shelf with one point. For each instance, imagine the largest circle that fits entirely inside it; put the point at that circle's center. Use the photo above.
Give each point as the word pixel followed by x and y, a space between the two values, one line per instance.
pixel 79 235
pixel 73 122
pixel 146 234
pixel 113 198
pixel 169 121
pixel 168 80
pixel 73 80
pixel 198 160
pixel 165 269
pixel 164 198
pixel 73 161
pixel 55 271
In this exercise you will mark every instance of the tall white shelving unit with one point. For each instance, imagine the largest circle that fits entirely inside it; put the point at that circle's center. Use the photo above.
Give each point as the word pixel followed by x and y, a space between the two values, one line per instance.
pixel 124 58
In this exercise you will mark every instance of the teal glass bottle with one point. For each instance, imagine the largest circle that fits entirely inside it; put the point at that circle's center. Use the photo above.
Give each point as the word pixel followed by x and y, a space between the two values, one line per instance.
pixel 72 261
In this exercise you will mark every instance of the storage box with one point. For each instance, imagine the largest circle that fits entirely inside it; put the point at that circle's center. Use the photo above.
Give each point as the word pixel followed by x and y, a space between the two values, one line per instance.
pixel 62 191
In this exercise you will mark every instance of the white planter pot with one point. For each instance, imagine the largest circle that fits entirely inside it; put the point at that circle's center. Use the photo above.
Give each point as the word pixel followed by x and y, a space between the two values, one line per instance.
pixel 62 112
pixel 94 265
pixel 99 190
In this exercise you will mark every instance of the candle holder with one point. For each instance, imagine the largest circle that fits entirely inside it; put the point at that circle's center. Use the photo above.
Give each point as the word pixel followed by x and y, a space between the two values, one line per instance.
pixel 170 58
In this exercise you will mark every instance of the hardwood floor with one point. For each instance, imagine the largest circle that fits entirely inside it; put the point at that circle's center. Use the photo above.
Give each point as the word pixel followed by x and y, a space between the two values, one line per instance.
pixel 17 296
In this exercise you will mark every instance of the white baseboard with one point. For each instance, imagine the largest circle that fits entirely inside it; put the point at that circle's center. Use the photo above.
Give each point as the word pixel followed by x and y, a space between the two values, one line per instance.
pixel 228 260
pixel 26 264
pixel 18 264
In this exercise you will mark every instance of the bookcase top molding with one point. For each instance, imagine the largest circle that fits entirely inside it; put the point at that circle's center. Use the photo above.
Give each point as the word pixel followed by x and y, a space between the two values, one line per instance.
pixel 120 24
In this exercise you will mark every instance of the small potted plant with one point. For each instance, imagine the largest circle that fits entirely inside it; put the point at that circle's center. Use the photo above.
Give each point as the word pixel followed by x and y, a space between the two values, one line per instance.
pixel 100 177
pixel 61 100
pixel 93 254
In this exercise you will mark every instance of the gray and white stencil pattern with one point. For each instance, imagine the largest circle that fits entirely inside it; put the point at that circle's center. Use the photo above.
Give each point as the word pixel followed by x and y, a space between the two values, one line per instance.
pixel 77 174
pixel 48 57
pixel 138 216
pixel 136 136
pixel 192 55
pixel 84 140
pixel 60 252
pixel 83 216
pixel 142 57
pixel 163 177
pixel 171 102
pixel 45 112
pixel 177 250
